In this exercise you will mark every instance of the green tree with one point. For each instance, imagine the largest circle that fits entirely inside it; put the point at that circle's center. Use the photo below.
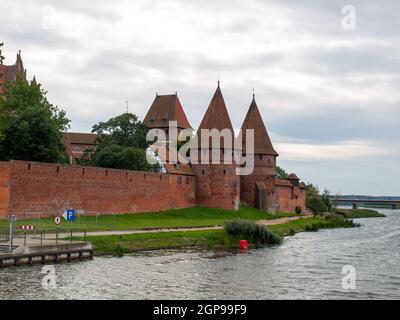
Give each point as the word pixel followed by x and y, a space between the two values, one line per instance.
pixel 314 200
pixel 118 157
pixel 124 130
pixel 30 126
pixel 281 173
pixel 121 144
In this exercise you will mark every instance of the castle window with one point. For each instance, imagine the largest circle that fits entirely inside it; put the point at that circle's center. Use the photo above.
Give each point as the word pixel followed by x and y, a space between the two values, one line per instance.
pixel 152 119
pixel 187 180
pixel 260 157
pixel 203 172
pixel 269 160
pixel 29 166
pixel 224 171
pixel 180 180
pixel 58 169
pixel 83 171
pixel 106 173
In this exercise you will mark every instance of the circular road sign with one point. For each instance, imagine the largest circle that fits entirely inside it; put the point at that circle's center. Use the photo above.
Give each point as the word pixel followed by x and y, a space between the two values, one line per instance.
pixel 57 220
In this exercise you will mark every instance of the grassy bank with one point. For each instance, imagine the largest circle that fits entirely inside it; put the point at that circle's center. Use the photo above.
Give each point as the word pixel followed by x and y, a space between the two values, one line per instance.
pixel 206 239
pixel 359 213
pixel 188 217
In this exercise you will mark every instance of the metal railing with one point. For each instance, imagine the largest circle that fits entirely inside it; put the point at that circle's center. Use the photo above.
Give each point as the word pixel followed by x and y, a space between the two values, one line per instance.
pixel 44 236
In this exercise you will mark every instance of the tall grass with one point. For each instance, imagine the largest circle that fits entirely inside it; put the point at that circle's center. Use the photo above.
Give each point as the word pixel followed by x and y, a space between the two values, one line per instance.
pixel 248 230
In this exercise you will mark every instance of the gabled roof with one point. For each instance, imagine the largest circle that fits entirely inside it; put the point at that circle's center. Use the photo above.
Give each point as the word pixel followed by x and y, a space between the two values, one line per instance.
pixel 166 108
pixel 262 142
pixel 216 117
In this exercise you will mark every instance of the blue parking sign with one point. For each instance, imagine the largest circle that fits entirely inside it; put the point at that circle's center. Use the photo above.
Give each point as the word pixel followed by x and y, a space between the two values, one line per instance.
pixel 70 215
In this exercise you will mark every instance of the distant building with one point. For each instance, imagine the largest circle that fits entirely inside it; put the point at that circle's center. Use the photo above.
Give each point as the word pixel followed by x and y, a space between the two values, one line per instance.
pixel 77 144
pixel 8 74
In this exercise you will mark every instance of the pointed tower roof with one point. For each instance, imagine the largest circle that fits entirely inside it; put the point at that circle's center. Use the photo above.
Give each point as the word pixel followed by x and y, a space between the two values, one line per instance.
pixel 253 120
pixel 166 108
pixel 216 116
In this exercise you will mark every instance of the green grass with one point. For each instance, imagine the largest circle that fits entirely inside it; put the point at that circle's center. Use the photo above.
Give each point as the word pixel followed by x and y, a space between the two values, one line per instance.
pixel 188 217
pixel 359 213
pixel 117 245
pixel 153 241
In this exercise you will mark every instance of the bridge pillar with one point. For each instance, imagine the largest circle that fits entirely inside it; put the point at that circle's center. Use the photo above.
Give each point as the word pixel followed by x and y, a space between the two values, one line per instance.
pixel 355 205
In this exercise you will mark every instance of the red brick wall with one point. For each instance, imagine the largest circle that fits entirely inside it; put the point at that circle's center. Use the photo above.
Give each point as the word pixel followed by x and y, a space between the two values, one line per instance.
pixel 218 186
pixel 291 197
pixel 4 189
pixel 51 188
pixel 264 171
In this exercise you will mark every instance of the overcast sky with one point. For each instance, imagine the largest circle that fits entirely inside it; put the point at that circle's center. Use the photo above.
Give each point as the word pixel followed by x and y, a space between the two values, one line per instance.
pixel 329 96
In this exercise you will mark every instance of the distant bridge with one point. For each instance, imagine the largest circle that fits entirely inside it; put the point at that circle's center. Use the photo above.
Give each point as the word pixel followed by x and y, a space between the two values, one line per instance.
pixel 394 204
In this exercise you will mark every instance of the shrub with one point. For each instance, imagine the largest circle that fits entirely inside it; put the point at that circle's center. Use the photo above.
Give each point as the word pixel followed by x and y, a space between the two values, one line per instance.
pixel 118 251
pixel 292 232
pixel 255 233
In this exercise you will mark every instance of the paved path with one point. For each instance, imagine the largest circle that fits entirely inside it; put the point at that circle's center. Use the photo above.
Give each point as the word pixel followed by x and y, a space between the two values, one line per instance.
pixel 124 232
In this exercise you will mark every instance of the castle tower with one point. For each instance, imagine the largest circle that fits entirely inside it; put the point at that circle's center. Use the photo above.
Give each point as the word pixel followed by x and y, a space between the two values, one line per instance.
pixel 166 108
pixel 258 189
pixel 218 186
pixel 10 73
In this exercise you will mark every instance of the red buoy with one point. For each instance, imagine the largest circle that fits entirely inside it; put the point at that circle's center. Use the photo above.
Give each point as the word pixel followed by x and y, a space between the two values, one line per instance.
pixel 243 244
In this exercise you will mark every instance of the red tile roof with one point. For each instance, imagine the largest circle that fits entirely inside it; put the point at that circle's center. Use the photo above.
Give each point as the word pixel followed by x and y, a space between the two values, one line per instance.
pixel 216 117
pixel 79 138
pixel 262 142
pixel 164 109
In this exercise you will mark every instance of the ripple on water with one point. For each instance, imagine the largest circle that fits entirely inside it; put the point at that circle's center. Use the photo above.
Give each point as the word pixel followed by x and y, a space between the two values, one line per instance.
pixel 305 266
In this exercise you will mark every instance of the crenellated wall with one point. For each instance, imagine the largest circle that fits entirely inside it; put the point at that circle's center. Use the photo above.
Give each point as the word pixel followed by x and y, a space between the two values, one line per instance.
pixel 51 188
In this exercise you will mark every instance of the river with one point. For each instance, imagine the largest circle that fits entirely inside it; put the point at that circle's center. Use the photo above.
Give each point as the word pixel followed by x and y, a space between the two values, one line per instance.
pixel 306 266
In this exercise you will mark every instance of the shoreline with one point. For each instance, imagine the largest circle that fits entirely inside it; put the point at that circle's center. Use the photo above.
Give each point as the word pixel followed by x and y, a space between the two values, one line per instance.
pixel 211 239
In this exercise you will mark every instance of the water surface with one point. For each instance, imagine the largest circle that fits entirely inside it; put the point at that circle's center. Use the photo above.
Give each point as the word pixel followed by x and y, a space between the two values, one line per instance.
pixel 306 266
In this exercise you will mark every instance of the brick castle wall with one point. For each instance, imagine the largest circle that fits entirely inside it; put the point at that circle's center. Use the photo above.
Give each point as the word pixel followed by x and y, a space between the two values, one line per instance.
pixel 291 197
pixel 4 188
pixel 51 188
pixel 218 186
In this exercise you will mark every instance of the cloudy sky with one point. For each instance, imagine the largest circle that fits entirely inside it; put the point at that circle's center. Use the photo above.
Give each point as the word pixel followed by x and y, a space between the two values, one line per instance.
pixel 329 95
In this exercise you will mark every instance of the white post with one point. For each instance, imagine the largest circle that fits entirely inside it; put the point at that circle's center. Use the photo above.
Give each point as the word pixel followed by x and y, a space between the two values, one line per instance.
pixel 10 249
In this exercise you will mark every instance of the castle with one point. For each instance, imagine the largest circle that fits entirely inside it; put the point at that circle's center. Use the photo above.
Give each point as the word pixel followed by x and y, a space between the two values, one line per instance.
pixel 10 73
pixel 218 185
pixel 31 189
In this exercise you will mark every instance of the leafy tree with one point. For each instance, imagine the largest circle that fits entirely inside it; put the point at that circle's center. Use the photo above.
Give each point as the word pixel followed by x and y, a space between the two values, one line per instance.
pixel 124 130
pixel 118 157
pixel 314 200
pixel 326 198
pixel 281 173
pixel 30 126
pixel 121 144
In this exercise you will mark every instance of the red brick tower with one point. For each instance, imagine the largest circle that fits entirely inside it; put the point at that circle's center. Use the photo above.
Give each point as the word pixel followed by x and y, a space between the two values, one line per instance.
pixel 218 186
pixel 258 189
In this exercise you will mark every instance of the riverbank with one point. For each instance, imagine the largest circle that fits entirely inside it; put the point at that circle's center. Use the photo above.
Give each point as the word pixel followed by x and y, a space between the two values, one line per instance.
pixel 118 245
pixel 359 213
